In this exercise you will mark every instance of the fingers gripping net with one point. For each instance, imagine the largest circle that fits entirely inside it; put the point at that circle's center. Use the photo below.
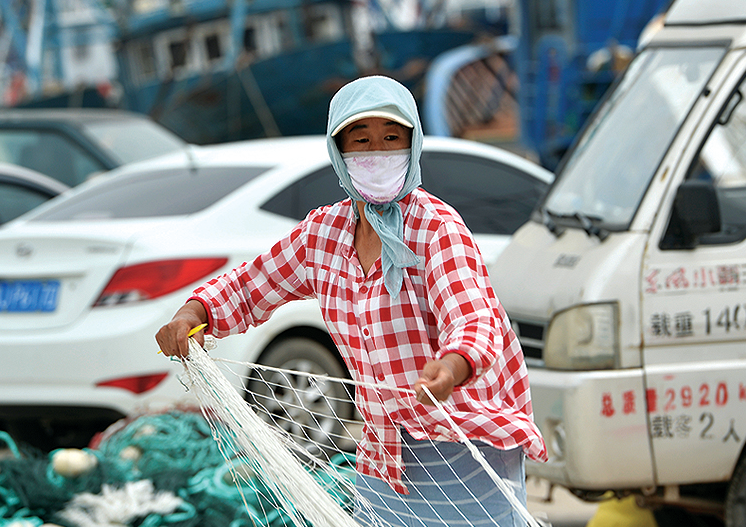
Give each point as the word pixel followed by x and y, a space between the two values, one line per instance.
pixel 291 449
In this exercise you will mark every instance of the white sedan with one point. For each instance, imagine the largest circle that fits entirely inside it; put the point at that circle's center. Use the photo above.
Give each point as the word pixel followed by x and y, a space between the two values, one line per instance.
pixel 87 279
pixel 22 190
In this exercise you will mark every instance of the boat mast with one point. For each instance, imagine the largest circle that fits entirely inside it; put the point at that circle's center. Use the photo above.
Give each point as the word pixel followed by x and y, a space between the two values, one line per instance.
pixel 43 44
pixel 363 40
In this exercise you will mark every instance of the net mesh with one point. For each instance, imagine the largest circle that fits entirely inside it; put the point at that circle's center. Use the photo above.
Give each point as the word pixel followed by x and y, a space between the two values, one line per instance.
pixel 291 450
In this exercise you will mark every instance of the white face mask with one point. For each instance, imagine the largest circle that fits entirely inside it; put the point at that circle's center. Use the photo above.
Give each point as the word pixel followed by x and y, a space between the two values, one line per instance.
pixel 378 176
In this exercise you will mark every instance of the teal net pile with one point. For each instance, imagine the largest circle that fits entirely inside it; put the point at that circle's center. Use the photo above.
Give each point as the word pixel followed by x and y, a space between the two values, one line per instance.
pixel 31 491
pixel 152 470
pixel 168 448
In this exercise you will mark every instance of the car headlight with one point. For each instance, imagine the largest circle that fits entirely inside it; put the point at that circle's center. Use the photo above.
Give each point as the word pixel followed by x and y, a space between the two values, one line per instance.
pixel 584 337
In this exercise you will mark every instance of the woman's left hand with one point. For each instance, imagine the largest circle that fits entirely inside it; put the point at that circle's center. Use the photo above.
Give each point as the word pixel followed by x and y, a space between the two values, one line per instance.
pixel 441 377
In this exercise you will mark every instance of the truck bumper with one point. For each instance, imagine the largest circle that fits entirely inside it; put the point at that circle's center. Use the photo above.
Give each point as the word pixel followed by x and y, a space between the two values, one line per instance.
pixel 595 426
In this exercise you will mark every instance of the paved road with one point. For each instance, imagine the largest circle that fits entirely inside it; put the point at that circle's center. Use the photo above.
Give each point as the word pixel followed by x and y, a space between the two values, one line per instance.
pixel 564 509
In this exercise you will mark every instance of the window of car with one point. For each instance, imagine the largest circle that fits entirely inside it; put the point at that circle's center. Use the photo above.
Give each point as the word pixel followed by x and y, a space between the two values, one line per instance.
pixel 317 189
pixel 48 152
pixel 492 197
pixel 17 199
pixel 171 192
pixel 129 140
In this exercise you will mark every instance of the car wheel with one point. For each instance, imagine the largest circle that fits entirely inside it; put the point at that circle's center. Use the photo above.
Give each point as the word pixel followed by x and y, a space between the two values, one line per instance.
pixel 735 499
pixel 315 412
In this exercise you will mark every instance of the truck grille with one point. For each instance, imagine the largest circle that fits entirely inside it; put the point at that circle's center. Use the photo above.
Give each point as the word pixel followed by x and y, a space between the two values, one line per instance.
pixel 531 337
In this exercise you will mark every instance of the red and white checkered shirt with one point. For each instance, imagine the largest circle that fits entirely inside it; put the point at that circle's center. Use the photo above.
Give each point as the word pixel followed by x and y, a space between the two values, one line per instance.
pixel 446 305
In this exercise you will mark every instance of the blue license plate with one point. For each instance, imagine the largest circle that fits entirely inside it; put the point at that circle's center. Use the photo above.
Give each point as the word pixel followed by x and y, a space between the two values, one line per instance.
pixel 28 296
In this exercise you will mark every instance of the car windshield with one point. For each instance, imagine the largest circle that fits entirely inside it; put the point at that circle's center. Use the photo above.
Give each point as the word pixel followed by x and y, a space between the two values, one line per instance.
pixel 131 140
pixel 611 167
pixel 171 192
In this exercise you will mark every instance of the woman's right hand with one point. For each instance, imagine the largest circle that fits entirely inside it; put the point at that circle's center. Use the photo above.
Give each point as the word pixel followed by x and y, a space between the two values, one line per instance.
pixel 173 337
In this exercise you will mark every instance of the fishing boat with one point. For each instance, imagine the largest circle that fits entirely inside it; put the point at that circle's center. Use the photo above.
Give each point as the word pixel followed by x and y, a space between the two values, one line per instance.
pixel 216 71
pixel 223 70
pixel 56 53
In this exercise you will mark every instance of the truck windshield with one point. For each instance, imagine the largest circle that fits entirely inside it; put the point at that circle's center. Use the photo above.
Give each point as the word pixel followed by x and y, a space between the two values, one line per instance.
pixel 609 170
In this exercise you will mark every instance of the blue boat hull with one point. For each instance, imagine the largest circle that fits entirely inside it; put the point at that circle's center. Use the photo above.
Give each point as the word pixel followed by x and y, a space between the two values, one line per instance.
pixel 287 94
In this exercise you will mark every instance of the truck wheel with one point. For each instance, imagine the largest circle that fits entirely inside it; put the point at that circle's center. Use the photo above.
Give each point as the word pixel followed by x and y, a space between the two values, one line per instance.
pixel 735 499
pixel 672 516
pixel 316 413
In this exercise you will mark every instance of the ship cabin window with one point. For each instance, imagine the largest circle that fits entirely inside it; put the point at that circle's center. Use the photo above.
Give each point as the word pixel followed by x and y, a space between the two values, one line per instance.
pixel 212 39
pixel 142 60
pixel 274 34
pixel 178 53
pixel 323 23
pixel 285 32
pixel 176 56
pixel 267 35
pixel 81 50
pixel 250 44
pixel 212 45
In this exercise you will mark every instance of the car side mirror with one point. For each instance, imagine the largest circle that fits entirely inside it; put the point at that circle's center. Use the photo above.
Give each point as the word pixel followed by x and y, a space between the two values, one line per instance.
pixel 696 211
pixel 696 204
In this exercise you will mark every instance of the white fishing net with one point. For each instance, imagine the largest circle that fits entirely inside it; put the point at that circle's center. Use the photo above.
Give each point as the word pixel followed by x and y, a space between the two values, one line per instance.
pixel 289 439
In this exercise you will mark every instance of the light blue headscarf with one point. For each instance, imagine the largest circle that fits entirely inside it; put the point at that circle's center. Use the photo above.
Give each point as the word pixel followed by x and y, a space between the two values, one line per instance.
pixel 380 93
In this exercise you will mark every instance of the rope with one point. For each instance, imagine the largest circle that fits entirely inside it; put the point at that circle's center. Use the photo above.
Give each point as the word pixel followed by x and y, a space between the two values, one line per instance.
pixel 506 489
pixel 10 444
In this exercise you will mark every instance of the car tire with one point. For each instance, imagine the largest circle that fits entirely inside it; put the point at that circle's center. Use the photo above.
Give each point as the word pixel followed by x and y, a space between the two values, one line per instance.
pixel 316 413
pixel 735 499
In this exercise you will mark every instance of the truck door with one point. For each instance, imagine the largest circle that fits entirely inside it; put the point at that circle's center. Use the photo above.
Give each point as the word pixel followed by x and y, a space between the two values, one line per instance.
pixel 694 303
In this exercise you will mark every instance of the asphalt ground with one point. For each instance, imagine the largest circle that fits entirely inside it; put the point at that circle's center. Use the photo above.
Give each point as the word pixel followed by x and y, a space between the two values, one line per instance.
pixel 560 507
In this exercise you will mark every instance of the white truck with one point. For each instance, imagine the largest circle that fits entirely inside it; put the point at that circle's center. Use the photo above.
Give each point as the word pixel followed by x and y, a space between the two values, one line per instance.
pixel 628 286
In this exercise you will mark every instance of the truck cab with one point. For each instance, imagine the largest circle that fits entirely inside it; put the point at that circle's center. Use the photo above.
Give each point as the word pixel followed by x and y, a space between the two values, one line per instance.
pixel 627 288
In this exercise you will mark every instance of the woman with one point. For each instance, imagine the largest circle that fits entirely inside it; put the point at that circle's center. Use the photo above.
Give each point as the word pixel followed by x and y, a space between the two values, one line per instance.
pixel 407 300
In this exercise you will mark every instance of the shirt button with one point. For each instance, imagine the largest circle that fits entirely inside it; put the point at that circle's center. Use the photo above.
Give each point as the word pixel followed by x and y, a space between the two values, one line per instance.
pixel 366 332
pixel 381 377
pixel 364 289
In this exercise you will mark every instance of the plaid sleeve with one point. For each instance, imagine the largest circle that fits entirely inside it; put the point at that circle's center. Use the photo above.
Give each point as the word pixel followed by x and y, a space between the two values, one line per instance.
pixel 249 294
pixel 461 297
